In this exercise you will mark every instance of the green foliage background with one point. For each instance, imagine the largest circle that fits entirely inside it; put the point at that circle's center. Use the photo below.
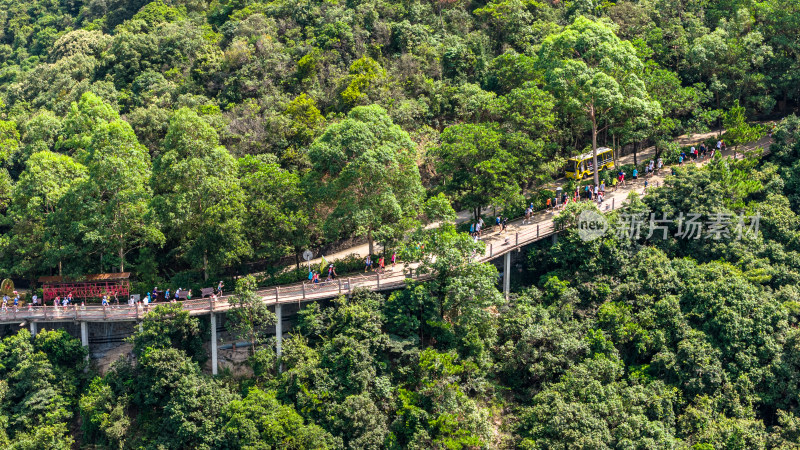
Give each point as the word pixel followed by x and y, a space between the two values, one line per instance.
pixel 188 139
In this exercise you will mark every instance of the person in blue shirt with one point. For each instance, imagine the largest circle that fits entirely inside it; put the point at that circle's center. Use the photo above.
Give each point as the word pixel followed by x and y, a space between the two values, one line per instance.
pixel 635 174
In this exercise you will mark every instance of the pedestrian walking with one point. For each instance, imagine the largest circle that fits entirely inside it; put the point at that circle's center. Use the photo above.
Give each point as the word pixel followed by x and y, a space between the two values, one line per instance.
pixel 331 272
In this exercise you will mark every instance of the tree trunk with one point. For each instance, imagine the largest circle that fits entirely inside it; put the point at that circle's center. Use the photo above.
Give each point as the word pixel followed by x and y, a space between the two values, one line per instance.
pixel 594 146
pixel 421 325
pixel 635 150
pixel 297 259
pixel 205 265
pixel 59 268
pixel 121 259
pixel 371 241
pixel 252 339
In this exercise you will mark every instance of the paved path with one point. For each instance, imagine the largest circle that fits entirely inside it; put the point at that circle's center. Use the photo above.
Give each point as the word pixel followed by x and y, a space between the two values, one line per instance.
pixel 498 244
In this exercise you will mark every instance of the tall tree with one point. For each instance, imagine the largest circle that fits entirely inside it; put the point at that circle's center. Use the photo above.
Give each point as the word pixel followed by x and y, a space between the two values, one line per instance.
pixel 116 196
pixel 364 174
pixel 276 218
pixel 34 246
pixel 477 168
pixel 730 60
pixel 199 198
pixel 737 130
pixel 591 70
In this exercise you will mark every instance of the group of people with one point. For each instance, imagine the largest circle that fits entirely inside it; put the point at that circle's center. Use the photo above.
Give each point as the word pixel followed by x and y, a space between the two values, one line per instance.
pixel 476 228
pixel 699 154
pixel 652 168
pixel 313 275
pixel 381 265
pixel 6 299
pixel 64 302
pixel 597 192
pixel 106 300
pixel 152 297
pixel 500 223
pixel 58 301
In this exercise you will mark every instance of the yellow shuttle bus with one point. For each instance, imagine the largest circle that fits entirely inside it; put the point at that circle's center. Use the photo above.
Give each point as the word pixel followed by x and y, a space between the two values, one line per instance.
pixel 581 166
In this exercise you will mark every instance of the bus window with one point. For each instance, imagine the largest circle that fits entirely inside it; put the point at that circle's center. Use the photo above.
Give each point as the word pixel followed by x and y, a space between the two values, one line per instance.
pixel 572 165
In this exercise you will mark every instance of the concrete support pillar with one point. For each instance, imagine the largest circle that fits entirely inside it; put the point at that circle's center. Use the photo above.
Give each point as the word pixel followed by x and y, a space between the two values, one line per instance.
pixel 555 238
pixel 507 274
pixel 34 329
pixel 85 337
pixel 278 333
pixel 213 344
pixel 141 327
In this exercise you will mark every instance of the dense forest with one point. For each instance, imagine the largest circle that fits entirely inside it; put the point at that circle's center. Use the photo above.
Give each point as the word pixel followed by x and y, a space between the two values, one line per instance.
pixel 619 343
pixel 186 139
pixel 183 140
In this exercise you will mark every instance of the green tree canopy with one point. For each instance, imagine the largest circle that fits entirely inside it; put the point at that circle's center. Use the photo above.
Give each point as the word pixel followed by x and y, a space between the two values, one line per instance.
pixel 365 175
pixel 198 195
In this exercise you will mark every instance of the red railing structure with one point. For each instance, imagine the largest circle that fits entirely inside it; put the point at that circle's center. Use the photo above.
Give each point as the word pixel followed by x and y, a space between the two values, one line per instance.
pixel 84 290
pixel 91 286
